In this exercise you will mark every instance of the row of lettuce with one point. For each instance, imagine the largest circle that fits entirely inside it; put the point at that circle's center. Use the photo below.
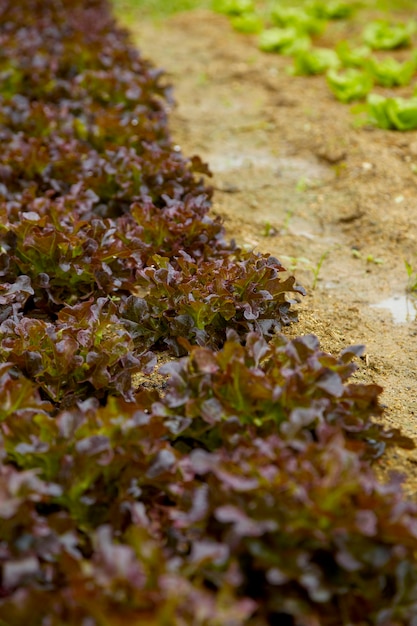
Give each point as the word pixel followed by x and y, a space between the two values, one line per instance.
pixel 238 491
pixel 352 69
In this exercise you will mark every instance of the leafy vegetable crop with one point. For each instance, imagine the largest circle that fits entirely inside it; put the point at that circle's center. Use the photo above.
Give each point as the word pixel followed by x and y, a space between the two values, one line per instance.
pixel 390 73
pixel 331 10
pixel 392 113
pixel 381 35
pixel 240 489
pixel 351 71
pixel 352 57
pixel 287 40
pixel 233 7
pixel 315 61
pixel 249 23
pixel 301 19
pixel 352 84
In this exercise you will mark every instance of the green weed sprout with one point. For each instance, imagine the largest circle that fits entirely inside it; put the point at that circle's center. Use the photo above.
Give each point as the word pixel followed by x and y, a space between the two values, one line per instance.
pixel 352 84
pixel 369 258
pixel 412 278
pixel 269 230
pixel 296 262
pixel 381 35
pixel 299 262
pixel 302 184
pixel 315 61
pixel 317 268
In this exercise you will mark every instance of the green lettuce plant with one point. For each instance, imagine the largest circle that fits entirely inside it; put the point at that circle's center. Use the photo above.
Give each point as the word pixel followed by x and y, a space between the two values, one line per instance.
pixel 392 113
pixel 349 85
pixel 331 10
pixel 233 7
pixel 352 57
pixel 287 41
pixel 389 72
pixel 381 35
pixel 299 18
pixel 315 61
pixel 249 23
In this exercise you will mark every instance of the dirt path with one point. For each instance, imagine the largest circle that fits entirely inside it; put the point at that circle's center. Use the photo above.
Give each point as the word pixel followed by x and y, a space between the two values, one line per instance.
pixel 295 178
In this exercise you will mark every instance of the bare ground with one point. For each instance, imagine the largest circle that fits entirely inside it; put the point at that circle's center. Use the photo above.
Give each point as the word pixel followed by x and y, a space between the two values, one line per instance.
pixel 295 177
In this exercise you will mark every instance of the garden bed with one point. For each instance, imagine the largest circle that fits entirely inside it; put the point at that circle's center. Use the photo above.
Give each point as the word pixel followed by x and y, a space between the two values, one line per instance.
pixel 234 485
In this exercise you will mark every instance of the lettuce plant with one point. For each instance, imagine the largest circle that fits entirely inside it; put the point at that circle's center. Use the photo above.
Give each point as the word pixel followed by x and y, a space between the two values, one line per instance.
pixel 233 7
pixel 389 72
pixel 200 302
pixel 381 35
pixel 315 61
pixel 249 23
pixel 352 57
pixel 87 351
pixel 331 10
pixel 351 84
pixel 298 18
pixel 392 113
pixel 287 40
pixel 287 387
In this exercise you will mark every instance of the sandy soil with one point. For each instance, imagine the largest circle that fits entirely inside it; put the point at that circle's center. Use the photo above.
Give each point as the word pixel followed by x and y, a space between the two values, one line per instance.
pixel 295 177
